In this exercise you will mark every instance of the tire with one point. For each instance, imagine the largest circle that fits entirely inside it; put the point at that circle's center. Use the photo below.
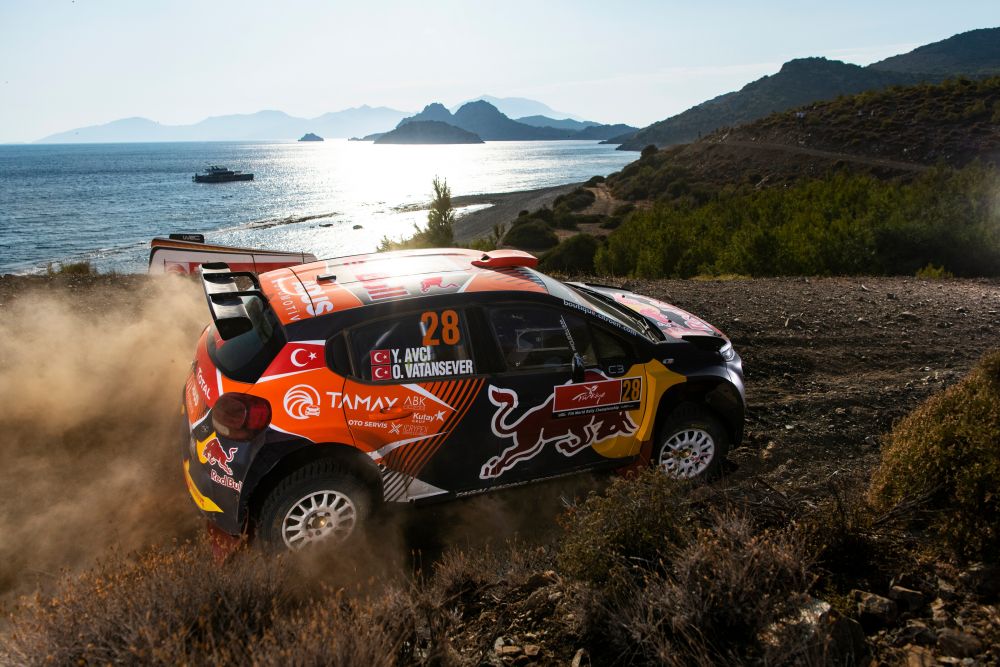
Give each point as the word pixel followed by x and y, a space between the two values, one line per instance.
pixel 690 434
pixel 320 502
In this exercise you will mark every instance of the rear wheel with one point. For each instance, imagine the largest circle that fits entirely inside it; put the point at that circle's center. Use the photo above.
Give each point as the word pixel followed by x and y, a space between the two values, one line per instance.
pixel 320 502
pixel 691 444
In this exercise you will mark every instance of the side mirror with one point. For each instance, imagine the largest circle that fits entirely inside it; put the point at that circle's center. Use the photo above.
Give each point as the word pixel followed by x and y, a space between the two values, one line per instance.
pixel 579 370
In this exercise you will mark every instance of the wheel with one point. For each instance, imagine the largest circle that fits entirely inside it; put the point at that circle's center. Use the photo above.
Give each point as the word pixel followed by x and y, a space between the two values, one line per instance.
pixel 691 444
pixel 320 502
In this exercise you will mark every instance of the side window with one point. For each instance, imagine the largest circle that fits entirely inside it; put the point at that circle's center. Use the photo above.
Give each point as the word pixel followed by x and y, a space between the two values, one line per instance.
pixel 532 337
pixel 416 346
pixel 611 349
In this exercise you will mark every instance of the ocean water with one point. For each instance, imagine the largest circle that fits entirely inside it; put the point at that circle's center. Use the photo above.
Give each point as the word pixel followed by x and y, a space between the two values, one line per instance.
pixel 104 202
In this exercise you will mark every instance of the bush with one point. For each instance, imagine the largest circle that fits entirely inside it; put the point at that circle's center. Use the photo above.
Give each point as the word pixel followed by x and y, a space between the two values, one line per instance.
pixel 71 269
pixel 574 255
pixel 730 596
pixel 931 272
pixel 594 181
pixel 944 459
pixel 577 200
pixel 636 523
pixel 648 151
pixel 533 235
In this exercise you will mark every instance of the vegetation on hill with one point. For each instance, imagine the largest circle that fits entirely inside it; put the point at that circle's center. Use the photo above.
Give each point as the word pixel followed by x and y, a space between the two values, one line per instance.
pixel 843 224
pixel 974 53
pixel 440 223
pixel 428 132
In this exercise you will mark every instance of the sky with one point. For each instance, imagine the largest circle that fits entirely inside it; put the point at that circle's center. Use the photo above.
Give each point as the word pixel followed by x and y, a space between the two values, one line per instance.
pixel 72 63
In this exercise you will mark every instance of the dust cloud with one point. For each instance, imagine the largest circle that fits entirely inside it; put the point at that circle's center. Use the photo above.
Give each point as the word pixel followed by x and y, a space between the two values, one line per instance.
pixel 90 393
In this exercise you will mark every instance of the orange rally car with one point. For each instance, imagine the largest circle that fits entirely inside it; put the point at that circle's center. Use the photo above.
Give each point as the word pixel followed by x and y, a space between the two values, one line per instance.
pixel 325 389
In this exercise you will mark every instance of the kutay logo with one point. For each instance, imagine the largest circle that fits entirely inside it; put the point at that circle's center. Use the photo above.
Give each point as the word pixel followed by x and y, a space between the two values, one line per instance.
pixel 302 402
pixel 538 426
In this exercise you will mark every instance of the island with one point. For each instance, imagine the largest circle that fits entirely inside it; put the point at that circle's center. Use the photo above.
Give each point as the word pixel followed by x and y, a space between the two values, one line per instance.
pixel 309 136
pixel 428 132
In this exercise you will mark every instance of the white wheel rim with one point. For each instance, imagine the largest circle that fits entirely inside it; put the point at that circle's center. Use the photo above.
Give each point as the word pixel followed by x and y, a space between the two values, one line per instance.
pixel 318 517
pixel 687 453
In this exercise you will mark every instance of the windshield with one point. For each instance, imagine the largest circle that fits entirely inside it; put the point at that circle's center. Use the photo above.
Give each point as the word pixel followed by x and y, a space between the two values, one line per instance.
pixel 607 309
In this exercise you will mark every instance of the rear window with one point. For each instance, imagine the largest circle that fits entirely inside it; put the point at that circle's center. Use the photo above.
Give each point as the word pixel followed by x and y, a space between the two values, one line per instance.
pixel 246 356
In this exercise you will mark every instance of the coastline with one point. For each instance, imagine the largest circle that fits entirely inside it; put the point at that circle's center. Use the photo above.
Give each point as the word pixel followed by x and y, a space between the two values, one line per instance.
pixel 504 207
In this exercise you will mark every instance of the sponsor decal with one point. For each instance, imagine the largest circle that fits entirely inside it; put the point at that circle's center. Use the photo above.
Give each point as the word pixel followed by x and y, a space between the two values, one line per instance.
pixel 594 397
pixel 217 455
pixel 601 316
pixel 574 432
pixel 436 282
pixel 203 385
pixel 427 418
pixel 302 402
pixel 308 296
pixel 226 481
pixel 357 401
pixel 378 287
pixel 367 423
pixel 396 428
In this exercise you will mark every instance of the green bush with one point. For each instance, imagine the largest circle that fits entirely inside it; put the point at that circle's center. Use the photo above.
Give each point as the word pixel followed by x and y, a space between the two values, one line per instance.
pixel 931 272
pixel 636 523
pixel 574 255
pixel 577 200
pixel 533 235
pixel 944 460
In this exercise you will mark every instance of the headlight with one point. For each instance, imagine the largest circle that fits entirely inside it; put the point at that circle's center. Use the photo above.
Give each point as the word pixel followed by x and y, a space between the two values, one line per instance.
pixel 727 351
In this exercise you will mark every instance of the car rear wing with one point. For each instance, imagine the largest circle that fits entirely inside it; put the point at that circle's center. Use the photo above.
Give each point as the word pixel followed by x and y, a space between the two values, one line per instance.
pixel 225 300
pixel 183 254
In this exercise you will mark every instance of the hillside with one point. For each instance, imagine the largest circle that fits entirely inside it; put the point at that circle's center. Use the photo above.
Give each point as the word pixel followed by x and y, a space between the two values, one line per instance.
pixel 803 81
pixel 428 132
pixel 895 132
pixel 975 53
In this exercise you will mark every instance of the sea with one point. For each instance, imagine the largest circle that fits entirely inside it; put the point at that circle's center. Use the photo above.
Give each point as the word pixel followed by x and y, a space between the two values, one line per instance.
pixel 102 203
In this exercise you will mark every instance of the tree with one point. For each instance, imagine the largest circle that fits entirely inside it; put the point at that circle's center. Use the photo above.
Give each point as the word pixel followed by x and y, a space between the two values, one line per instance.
pixel 441 217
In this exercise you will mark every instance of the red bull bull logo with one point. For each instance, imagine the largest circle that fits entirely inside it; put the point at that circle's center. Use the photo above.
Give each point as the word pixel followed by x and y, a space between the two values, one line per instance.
pixel 437 282
pixel 217 455
pixel 540 426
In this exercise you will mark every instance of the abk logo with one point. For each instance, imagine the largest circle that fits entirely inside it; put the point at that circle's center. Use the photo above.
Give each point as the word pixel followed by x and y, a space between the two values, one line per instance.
pixel 535 428
pixel 302 402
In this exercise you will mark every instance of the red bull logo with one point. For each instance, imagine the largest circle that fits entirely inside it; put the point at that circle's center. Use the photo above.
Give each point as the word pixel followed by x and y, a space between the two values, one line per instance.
pixel 437 281
pixel 217 455
pixel 539 426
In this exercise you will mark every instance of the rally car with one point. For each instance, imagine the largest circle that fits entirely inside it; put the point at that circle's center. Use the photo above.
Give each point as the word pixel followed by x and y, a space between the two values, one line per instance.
pixel 322 390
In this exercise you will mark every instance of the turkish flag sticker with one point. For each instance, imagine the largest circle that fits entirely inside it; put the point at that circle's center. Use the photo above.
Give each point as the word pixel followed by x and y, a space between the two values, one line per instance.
pixel 381 372
pixel 379 357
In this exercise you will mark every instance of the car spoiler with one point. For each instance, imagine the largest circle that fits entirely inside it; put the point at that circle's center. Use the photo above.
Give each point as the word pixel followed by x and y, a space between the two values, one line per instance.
pixel 228 310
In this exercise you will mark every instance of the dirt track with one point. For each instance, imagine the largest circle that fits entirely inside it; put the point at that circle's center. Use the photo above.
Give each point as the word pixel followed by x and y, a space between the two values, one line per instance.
pixel 830 364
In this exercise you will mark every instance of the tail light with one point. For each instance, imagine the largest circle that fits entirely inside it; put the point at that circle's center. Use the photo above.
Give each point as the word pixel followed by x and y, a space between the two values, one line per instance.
pixel 240 416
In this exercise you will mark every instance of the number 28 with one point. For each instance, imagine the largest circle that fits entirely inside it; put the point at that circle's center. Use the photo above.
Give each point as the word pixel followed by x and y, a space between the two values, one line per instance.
pixel 448 321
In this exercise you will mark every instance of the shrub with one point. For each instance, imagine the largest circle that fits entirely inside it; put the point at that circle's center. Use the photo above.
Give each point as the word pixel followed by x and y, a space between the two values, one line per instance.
pixel 593 181
pixel 932 272
pixel 636 523
pixel 577 200
pixel 71 269
pixel 727 598
pixel 534 235
pixel 648 151
pixel 944 458
pixel 574 255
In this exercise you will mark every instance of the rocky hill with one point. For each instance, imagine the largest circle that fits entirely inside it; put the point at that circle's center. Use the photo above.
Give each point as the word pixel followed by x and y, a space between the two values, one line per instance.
pixel 428 132
pixel 799 82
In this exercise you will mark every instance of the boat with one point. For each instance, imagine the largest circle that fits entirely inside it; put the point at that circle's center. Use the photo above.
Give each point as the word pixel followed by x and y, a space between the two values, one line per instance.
pixel 217 174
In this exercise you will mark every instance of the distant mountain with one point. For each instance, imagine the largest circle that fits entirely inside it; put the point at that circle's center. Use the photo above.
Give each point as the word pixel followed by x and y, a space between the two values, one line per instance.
pixel 518 107
pixel 434 111
pixel 309 136
pixel 260 126
pixel 807 80
pixel 486 120
pixel 975 53
pixel 606 132
pixel 560 124
pixel 798 82
pixel 428 132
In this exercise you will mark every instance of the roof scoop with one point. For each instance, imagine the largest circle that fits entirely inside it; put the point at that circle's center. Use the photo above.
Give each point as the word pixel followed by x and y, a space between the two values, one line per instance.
pixel 499 259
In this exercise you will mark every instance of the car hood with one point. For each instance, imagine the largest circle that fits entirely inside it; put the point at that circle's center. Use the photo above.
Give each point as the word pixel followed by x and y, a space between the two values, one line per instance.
pixel 673 321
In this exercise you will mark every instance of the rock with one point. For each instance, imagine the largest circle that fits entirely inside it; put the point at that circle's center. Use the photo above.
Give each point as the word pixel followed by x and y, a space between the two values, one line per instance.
pixel 918 656
pixel 916 632
pixel 836 639
pixel 874 611
pixel 938 612
pixel 958 644
pixel 984 580
pixel 581 658
pixel 908 316
pixel 532 650
pixel 906 598
pixel 510 650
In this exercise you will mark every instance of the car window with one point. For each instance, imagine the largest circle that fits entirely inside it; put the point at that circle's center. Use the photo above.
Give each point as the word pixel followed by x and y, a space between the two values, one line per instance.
pixel 416 346
pixel 540 338
pixel 611 349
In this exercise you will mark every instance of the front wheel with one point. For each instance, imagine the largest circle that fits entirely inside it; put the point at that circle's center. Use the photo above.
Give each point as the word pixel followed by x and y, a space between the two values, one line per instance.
pixel 691 444
pixel 320 502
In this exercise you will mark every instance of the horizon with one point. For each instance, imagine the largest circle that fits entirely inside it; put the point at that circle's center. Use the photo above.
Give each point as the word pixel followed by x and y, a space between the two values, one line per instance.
pixel 635 65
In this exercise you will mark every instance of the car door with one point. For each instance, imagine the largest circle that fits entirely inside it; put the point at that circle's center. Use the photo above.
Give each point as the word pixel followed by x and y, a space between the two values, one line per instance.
pixel 414 379
pixel 543 423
